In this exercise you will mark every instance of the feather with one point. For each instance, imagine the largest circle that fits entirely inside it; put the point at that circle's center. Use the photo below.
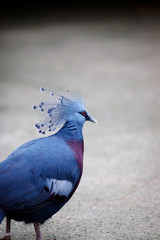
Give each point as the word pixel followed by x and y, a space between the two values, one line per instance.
pixel 57 109
pixel 2 215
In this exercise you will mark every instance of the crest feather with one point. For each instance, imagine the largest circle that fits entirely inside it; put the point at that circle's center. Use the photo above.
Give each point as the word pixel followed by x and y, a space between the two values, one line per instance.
pixel 57 109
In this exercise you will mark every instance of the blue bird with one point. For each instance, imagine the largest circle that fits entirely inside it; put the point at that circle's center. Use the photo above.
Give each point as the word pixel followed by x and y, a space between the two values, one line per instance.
pixel 39 177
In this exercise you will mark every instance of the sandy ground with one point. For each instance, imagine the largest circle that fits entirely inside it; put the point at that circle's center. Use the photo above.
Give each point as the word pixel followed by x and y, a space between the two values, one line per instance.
pixel 115 63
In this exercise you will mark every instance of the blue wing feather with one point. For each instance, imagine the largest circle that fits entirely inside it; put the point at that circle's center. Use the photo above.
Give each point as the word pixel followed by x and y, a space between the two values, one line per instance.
pixel 24 173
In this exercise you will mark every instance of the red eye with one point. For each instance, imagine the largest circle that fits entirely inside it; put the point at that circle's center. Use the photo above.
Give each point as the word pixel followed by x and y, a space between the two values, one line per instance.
pixel 84 113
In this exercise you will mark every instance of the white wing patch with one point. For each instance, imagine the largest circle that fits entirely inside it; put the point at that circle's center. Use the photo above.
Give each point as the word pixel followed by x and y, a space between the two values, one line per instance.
pixel 60 187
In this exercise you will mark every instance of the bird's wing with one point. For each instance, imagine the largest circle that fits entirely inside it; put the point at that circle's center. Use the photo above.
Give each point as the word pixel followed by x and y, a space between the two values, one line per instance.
pixel 35 173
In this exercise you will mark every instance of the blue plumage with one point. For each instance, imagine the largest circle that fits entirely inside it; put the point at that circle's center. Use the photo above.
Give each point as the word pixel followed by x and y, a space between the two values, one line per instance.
pixel 40 176
pixel 57 110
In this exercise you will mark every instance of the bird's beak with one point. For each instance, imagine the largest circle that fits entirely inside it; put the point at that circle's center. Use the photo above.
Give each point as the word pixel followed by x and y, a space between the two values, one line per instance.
pixel 91 119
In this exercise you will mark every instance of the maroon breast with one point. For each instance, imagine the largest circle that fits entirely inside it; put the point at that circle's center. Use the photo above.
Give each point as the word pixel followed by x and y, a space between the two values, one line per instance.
pixel 78 147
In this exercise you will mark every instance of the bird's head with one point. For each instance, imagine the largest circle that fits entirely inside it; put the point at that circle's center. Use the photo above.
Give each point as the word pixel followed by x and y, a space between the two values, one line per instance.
pixel 59 109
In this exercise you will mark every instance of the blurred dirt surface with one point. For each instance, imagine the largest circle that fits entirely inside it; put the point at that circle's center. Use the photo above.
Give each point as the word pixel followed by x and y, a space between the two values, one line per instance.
pixel 113 59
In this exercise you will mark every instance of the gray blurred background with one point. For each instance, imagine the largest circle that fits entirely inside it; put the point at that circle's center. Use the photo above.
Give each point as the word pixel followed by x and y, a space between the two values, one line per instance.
pixel 111 55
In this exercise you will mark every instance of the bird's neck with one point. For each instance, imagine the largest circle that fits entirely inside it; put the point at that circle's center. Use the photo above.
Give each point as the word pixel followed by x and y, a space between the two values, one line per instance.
pixel 71 131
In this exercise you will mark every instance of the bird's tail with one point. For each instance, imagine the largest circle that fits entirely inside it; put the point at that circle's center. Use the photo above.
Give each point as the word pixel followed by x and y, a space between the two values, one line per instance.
pixel 2 215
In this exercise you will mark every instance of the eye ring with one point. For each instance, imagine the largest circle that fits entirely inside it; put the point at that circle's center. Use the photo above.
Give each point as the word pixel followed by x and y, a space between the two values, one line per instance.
pixel 84 113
